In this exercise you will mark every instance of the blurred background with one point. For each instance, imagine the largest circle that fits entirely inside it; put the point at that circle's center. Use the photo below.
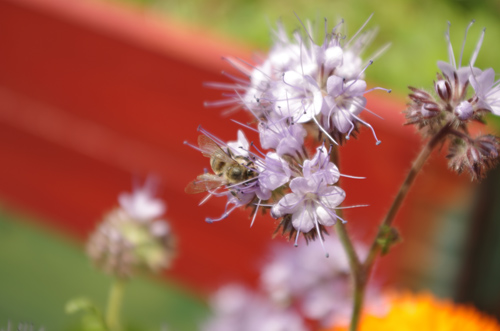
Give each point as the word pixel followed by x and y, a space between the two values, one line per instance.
pixel 94 94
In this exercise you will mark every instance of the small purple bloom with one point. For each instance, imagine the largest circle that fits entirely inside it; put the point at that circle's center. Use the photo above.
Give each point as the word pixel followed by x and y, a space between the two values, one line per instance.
pixel 276 172
pixel 279 134
pixel 140 204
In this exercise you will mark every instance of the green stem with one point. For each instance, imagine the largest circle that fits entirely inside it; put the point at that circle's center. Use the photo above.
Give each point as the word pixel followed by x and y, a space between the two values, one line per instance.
pixel 352 257
pixel 359 295
pixel 114 304
pixel 403 191
pixel 361 271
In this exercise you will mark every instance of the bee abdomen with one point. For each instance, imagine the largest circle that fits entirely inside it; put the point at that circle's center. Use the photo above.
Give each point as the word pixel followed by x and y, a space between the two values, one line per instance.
pixel 217 165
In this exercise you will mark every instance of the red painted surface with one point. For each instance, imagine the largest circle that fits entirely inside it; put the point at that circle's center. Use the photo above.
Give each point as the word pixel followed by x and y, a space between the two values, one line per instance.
pixel 91 95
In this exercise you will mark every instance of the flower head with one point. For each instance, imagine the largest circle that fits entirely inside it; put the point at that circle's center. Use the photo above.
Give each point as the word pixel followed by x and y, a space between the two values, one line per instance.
pixel 320 288
pixel 303 80
pixel 454 72
pixel 310 206
pixel 141 204
pixel 127 242
pixel 237 308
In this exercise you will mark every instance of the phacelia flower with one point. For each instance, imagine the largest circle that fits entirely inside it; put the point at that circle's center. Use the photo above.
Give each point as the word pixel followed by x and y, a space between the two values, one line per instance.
pixel 320 288
pixel 140 204
pixel 487 92
pixel 237 308
pixel 307 81
pixel 282 135
pixel 311 205
pixel 127 242
pixel 276 172
pixel 300 275
pixel 456 74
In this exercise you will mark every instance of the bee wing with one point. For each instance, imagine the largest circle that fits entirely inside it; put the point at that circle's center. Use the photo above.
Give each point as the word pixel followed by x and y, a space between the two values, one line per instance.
pixel 209 148
pixel 203 183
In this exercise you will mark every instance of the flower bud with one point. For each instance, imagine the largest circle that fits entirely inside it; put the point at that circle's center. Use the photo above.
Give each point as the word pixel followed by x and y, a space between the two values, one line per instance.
pixel 443 89
pixel 476 155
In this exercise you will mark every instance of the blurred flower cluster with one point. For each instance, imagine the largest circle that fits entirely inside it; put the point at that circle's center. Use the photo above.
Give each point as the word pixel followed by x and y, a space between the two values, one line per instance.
pixel 133 238
pixel 299 290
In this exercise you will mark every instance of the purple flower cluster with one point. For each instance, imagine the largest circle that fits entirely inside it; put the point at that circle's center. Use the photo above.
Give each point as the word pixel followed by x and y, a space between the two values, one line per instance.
pixel 302 89
pixel 237 308
pixel 463 94
pixel 298 189
pixel 133 238
pixel 302 81
pixel 299 290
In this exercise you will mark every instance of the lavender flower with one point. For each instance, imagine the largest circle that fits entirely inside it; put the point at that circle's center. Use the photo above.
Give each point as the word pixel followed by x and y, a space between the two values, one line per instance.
pixel 282 135
pixel 140 204
pixel 132 238
pixel 303 81
pixel 236 308
pixel 303 87
pixel 458 75
pixel 319 288
pixel 275 173
pixel 487 92
pixel 310 206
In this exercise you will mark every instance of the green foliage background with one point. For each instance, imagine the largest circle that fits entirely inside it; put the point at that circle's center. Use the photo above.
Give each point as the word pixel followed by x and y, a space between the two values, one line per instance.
pixel 415 29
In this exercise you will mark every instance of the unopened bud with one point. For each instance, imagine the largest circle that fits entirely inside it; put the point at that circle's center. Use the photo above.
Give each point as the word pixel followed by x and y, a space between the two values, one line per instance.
pixel 475 155
pixel 443 89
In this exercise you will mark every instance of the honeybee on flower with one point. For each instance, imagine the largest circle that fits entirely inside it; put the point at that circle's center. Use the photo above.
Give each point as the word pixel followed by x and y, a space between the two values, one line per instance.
pixel 229 169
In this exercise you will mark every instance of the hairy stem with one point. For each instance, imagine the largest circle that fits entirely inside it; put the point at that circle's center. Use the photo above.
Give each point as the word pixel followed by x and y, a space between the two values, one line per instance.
pixel 361 271
pixel 114 304
pixel 352 256
pixel 403 191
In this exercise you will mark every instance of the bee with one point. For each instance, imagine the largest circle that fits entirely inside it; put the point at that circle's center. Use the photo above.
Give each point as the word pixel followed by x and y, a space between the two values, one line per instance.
pixel 228 169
